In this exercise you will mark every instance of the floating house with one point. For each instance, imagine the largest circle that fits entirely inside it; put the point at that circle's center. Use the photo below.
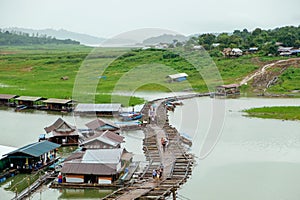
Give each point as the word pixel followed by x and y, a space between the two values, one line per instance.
pixel 62 133
pixel 7 99
pixel 59 104
pixel 4 161
pixel 102 125
pixel 29 102
pixel 33 156
pixel 103 140
pixel 98 109
pixel 225 90
pixel 102 166
pixel 177 77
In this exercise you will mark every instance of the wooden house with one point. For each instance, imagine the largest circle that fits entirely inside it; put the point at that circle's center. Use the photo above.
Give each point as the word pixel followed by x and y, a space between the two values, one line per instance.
pixel 33 156
pixel 63 133
pixel 102 125
pixel 103 140
pixel 102 166
pixel 29 102
pixel 109 109
pixel 59 104
pixel 7 99
pixel 225 90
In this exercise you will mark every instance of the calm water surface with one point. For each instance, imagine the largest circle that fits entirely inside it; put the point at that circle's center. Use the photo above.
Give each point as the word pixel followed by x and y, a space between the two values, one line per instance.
pixel 253 159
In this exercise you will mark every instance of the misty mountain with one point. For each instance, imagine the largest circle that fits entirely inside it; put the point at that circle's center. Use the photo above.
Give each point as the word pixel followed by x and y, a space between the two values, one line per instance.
pixel 165 38
pixel 61 34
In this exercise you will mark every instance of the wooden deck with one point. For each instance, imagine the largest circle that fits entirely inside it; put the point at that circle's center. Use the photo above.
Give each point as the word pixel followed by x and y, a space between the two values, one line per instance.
pixel 176 161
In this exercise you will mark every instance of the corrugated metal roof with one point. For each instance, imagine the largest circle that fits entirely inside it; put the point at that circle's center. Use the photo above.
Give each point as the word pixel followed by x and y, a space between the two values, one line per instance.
pixel 36 149
pixel 103 156
pixel 27 98
pixel 98 107
pixel 7 96
pixel 57 101
pixel 175 76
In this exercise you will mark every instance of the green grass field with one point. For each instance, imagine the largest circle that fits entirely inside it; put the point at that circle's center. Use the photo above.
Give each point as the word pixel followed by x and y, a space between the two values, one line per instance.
pixel 100 74
pixel 276 112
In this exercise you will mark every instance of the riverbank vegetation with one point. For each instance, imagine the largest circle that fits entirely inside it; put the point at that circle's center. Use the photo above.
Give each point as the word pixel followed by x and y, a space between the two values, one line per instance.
pixel 276 112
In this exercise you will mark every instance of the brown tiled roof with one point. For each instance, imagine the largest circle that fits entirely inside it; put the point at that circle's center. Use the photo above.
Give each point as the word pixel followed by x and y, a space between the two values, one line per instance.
pixel 60 126
pixel 88 168
pixel 108 134
pixel 98 123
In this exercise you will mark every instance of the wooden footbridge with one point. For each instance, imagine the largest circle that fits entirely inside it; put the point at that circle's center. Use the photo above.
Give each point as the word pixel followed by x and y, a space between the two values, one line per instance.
pixel 176 161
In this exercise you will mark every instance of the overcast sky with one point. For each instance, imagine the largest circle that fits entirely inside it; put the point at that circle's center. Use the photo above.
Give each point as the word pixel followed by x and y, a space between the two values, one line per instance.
pixel 106 18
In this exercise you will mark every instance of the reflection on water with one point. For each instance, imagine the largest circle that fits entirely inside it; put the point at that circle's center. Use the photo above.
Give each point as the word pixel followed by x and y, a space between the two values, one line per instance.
pixel 254 158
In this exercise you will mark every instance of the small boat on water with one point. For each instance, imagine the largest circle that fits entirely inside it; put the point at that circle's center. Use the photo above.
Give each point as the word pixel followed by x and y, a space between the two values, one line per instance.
pixel 129 116
pixel 20 107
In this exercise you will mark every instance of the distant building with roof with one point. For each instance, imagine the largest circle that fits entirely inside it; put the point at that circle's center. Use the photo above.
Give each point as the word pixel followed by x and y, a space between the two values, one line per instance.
pixel 63 133
pixel 33 156
pixel 30 102
pixel 177 77
pixel 98 109
pixel 102 166
pixel 225 90
pixel 59 104
pixel 6 99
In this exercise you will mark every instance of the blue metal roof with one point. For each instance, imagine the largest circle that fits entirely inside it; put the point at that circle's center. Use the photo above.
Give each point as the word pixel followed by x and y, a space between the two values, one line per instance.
pixel 35 149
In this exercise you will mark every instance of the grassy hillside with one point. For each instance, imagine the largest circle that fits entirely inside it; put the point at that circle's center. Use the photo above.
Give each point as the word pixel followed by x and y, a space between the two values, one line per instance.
pixel 37 71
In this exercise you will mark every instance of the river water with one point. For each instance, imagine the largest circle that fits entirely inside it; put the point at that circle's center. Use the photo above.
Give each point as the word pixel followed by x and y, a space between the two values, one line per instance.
pixel 253 158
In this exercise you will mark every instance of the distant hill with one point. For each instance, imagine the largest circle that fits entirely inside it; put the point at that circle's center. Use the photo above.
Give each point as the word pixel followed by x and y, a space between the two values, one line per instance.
pixel 61 34
pixel 20 39
pixel 165 38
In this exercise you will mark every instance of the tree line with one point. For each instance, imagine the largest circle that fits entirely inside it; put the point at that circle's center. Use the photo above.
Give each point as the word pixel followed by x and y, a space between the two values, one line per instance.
pixel 20 38
pixel 266 40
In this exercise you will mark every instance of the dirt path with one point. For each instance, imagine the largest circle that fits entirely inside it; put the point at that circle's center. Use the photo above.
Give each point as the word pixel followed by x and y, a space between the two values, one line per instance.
pixel 263 78
pixel 264 68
